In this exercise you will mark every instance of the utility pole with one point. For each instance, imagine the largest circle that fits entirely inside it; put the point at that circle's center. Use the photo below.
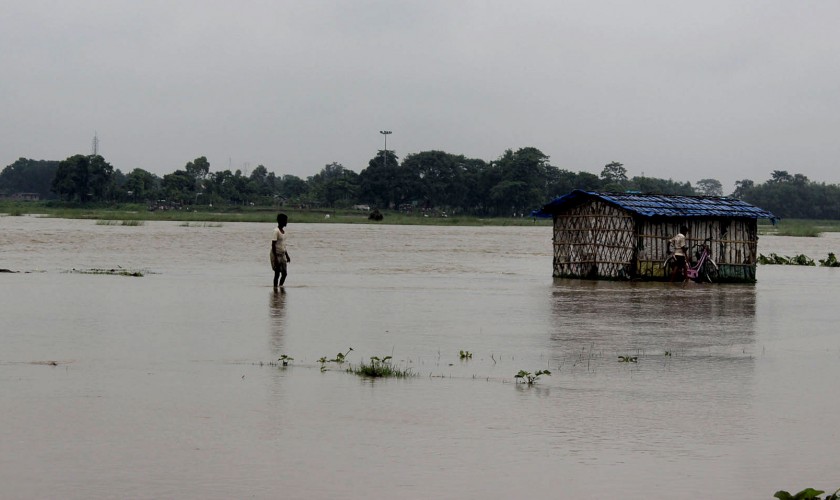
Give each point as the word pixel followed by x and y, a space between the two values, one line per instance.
pixel 385 154
pixel 94 145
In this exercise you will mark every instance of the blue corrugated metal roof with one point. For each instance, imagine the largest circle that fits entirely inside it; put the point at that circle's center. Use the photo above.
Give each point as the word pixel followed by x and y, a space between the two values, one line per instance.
pixel 662 205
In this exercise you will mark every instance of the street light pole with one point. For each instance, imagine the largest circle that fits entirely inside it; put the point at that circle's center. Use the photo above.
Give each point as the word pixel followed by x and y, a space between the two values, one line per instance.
pixel 385 154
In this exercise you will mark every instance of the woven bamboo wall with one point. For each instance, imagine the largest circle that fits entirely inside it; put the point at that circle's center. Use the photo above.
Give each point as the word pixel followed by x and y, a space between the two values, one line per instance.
pixel 594 240
pixel 733 248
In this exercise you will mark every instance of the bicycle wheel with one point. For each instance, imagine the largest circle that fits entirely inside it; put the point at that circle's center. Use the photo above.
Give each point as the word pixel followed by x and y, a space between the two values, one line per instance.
pixel 709 272
pixel 668 267
pixel 672 271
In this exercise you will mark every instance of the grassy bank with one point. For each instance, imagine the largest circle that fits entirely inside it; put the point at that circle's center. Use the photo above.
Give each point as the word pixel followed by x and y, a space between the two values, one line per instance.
pixel 139 212
pixel 799 227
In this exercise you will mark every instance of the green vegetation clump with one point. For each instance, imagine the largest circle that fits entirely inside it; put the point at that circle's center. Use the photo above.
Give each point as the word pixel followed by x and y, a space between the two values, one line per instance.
pixel 776 259
pixel 201 224
pixel 797 260
pixel 111 272
pixel 380 368
pixel 806 494
pixel 110 222
pixel 339 359
pixel 530 378
pixel 830 261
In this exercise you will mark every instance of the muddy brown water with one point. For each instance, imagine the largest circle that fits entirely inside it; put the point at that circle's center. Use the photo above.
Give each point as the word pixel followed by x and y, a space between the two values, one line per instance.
pixel 160 387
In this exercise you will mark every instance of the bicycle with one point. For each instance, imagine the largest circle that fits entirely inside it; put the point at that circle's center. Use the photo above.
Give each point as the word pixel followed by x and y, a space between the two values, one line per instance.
pixel 704 269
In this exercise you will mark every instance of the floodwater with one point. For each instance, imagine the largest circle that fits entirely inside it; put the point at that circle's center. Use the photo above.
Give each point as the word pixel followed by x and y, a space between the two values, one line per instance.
pixel 159 386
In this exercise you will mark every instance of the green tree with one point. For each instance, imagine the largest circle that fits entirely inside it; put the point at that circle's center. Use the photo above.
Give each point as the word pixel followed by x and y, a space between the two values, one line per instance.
pixel 709 187
pixel 780 176
pixel 742 188
pixel 565 181
pixel 141 185
pixel 263 182
pixel 524 181
pixel 334 184
pixel 588 181
pixel 794 196
pixel 516 194
pixel 660 186
pixel 84 178
pixel 383 183
pixel 292 187
pixel 179 186
pixel 479 178
pixel 614 176
pixel 439 178
pixel 198 169
pixel 29 176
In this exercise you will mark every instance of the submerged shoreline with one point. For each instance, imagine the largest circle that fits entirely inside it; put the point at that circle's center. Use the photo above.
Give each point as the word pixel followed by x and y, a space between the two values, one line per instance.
pixel 140 212
pixel 258 214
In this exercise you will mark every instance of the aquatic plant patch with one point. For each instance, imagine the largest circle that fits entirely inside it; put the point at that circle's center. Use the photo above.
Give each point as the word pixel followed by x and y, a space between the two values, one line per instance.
pixel 806 494
pixel 380 368
pixel 201 224
pixel 339 359
pixel 112 272
pixel 109 222
pixel 830 261
pixel 784 260
pixel 530 378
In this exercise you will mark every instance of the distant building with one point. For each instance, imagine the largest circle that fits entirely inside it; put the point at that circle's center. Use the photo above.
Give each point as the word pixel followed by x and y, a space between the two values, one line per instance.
pixel 625 235
pixel 26 196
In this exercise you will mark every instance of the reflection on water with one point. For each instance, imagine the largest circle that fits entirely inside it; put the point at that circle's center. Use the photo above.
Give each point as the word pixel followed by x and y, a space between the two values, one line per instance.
pixel 277 325
pixel 654 316
pixel 161 389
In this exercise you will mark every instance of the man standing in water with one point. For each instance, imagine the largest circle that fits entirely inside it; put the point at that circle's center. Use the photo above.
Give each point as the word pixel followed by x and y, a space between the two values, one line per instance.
pixel 279 255
pixel 680 248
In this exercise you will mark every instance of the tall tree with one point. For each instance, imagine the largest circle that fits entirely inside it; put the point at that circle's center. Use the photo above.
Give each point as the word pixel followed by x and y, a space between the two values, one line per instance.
pixel 383 183
pixel 614 176
pixel 29 176
pixel 780 176
pixel 440 178
pixel 83 178
pixel 709 187
pixel 179 186
pixel 334 183
pixel 524 181
pixel 142 185
pixel 198 169
pixel 743 187
pixel 660 186
pixel 292 187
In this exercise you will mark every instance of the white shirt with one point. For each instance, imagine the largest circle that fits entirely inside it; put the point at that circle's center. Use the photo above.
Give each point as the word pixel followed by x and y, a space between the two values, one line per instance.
pixel 679 243
pixel 280 238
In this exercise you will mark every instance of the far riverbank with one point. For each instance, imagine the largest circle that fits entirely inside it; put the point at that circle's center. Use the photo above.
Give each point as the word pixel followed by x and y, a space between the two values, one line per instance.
pixel 131 212
pixel 140 212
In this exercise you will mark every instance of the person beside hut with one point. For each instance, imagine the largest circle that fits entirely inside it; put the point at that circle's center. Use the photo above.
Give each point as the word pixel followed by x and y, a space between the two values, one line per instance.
pixel 680 252
pixel 279 255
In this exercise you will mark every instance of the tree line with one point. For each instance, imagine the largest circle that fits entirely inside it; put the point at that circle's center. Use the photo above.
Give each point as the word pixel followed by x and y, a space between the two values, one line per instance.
pixel 515 183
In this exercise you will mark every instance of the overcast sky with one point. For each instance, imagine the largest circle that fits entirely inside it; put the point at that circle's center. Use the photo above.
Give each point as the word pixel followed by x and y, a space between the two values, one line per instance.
pixel 720 89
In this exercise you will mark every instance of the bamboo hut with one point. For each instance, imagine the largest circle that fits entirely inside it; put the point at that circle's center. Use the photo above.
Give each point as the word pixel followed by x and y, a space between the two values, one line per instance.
pixel 625 235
